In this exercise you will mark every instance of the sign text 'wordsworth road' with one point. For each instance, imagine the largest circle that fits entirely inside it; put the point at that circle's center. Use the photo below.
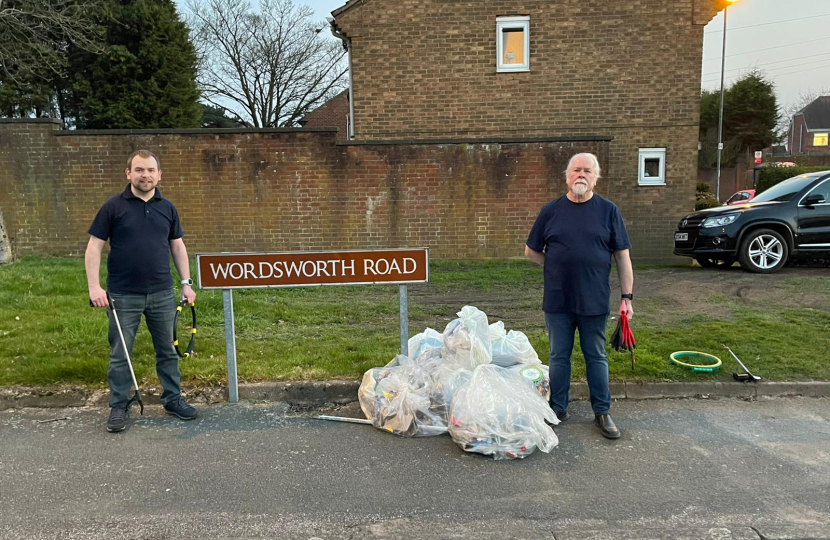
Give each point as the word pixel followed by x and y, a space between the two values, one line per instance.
pixel 309 268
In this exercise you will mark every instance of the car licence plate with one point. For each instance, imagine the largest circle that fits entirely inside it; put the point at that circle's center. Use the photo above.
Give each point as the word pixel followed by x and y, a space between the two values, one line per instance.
pixel 681 237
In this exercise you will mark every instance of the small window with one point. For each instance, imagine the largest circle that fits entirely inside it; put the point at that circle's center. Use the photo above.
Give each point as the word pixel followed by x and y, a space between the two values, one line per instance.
pixel 820 139
pixel 512 44
pixel 652 170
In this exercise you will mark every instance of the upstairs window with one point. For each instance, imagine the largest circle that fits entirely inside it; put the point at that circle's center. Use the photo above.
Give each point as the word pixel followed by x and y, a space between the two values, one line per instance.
pixel 820 139
pixel 652 170
pixel 512 44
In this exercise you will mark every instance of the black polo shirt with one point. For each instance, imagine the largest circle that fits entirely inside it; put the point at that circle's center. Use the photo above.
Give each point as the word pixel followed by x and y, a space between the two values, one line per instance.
pixel 139 233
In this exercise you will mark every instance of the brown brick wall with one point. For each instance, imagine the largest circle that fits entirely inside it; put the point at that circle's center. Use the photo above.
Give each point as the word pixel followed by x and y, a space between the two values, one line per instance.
pixel 426 68
pixel 298 190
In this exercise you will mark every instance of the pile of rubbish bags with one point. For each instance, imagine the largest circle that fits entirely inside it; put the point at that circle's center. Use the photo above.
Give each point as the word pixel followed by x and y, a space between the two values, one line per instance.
pixel 482 384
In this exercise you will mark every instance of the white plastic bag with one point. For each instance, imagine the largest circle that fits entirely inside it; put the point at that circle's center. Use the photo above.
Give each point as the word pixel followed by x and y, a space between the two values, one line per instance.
pixel 396 399
pixel 511 348
pixel 497 414
pixel 467 339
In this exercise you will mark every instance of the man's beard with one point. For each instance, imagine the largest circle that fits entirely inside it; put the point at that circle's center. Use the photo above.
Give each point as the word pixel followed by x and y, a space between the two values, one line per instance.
pixel 579 189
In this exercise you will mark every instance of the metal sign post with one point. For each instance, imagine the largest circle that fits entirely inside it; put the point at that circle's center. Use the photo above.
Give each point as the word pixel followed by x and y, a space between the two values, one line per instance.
pixel 230 345
pixel 228 271
pixel 404 316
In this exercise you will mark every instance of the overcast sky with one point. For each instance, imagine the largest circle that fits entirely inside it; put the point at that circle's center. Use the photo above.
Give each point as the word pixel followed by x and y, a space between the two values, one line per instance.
pixel 786 39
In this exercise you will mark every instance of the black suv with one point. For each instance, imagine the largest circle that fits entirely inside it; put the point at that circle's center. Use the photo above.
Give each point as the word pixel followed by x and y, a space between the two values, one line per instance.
pixel 790 218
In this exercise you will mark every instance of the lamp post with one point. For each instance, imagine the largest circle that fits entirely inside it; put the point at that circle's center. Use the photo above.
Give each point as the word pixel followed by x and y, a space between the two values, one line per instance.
pixel 720 112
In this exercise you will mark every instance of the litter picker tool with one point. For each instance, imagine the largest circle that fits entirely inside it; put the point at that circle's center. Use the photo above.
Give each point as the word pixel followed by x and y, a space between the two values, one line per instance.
pixel 742 377
pixel 137 395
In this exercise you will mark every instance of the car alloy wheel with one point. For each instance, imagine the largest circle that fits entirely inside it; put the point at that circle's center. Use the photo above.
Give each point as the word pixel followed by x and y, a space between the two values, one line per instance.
pixel 764 251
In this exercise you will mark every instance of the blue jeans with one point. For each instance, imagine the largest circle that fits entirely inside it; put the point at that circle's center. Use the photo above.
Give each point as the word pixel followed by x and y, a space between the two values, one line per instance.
pixel 159 310
pixel 561 328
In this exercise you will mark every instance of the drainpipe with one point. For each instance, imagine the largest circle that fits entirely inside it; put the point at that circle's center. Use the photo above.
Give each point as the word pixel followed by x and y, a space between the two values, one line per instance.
pixel 346 45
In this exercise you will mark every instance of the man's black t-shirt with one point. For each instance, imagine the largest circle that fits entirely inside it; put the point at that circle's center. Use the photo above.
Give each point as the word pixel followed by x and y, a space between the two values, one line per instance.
pixel 139 233
pixel 578 240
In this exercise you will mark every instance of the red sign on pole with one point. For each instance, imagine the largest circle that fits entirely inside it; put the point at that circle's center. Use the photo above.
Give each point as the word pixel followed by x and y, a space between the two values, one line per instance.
pixel 312 268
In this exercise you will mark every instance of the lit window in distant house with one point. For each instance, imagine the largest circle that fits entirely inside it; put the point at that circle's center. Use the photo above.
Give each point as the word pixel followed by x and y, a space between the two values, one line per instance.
pixel 512 44
pixel 652 169
pixel 820 139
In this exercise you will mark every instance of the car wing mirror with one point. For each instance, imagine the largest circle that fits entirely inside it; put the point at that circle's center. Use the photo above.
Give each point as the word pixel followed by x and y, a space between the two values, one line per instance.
pixel 815 198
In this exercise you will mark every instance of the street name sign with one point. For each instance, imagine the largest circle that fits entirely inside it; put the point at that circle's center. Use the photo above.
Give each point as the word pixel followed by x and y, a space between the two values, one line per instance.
pixel 312 268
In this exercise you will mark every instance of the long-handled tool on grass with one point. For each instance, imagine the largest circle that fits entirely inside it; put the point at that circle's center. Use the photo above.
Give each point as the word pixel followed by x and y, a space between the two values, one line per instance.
pixel 137 395
pixel 743 377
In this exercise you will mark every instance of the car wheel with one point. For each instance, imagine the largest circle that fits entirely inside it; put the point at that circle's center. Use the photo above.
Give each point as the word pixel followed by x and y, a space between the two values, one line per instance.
pixel 707 262
pixel 763 251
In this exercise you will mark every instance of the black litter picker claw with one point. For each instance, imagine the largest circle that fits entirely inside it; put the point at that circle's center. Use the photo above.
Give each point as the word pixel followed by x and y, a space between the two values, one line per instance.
pixel 747 376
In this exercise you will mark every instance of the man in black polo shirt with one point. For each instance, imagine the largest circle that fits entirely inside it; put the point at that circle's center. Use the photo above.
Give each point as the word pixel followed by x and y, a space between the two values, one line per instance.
pixel 143 229
pixel 574 238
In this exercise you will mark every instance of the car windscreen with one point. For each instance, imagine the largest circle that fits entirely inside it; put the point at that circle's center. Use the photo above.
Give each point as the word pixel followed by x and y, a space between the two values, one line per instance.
pixel 785 190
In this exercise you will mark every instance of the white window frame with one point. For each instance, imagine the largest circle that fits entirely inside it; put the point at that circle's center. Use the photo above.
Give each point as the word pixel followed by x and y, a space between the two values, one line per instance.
pixel 503 23
pixel 652 153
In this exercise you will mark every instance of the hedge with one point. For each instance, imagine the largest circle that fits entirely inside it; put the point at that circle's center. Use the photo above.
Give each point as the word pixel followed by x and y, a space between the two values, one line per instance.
pixel 770 176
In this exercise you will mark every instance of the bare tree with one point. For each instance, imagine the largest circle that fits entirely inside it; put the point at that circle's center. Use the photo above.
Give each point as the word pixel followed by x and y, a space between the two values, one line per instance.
pixel 34 35
pixel 268 68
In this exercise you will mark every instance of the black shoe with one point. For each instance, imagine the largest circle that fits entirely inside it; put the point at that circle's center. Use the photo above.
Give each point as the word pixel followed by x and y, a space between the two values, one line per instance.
pixel 606 426
pixel 118 419
pixel 562 416
pixel 178 407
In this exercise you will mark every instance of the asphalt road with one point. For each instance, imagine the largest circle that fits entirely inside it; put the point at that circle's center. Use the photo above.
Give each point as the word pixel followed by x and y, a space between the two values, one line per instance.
pixel 684 469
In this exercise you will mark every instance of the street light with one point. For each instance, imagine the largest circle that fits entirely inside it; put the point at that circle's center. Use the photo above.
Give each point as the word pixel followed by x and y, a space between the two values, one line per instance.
pixel 720 113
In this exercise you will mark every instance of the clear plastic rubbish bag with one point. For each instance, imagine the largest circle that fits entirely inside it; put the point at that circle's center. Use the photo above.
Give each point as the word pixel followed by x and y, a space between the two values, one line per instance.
pixel 425 349
pixel 497 414
pixel 511 348
pixel 535 376
pixel 396 399
pixel 467 339
pixel 447 379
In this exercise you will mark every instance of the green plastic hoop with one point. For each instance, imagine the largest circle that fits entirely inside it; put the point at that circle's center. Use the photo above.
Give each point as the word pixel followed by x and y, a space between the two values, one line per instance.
pixel 676 356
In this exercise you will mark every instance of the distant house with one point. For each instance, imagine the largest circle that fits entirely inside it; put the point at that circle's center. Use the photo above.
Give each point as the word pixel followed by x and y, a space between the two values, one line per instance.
pixel 810 129
pixel 332 114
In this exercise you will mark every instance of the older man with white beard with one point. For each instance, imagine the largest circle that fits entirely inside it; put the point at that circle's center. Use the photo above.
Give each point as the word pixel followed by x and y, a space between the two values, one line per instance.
pixel 574 238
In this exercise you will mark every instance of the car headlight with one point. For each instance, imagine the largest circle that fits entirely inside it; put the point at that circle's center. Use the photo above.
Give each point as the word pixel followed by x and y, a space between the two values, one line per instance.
pixel 719 221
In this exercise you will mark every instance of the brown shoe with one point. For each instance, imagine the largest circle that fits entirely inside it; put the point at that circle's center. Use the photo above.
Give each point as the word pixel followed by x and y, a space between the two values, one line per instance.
pixel 606 426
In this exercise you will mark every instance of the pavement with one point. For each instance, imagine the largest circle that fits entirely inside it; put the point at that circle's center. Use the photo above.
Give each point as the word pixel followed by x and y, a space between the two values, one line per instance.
pixel 751 468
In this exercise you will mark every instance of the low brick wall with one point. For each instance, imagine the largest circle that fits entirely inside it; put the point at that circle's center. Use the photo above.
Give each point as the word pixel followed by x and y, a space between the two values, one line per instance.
pixel 272 190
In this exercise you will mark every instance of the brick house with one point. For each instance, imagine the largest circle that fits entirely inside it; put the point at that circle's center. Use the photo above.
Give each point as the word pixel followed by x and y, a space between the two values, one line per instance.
pixel 332 114
pixel 810 128
pixel 485 70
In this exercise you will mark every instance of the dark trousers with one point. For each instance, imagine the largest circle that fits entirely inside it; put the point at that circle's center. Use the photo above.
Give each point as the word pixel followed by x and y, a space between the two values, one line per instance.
pixel 561 329
pixel 159 310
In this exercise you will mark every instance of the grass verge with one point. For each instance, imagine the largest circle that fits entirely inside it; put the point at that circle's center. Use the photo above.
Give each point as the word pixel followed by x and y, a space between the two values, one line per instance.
pixel 49 335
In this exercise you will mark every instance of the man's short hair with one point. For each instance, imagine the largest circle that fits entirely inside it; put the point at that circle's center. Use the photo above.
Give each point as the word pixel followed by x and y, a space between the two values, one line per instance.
pixel 592 157
pixel 145 154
